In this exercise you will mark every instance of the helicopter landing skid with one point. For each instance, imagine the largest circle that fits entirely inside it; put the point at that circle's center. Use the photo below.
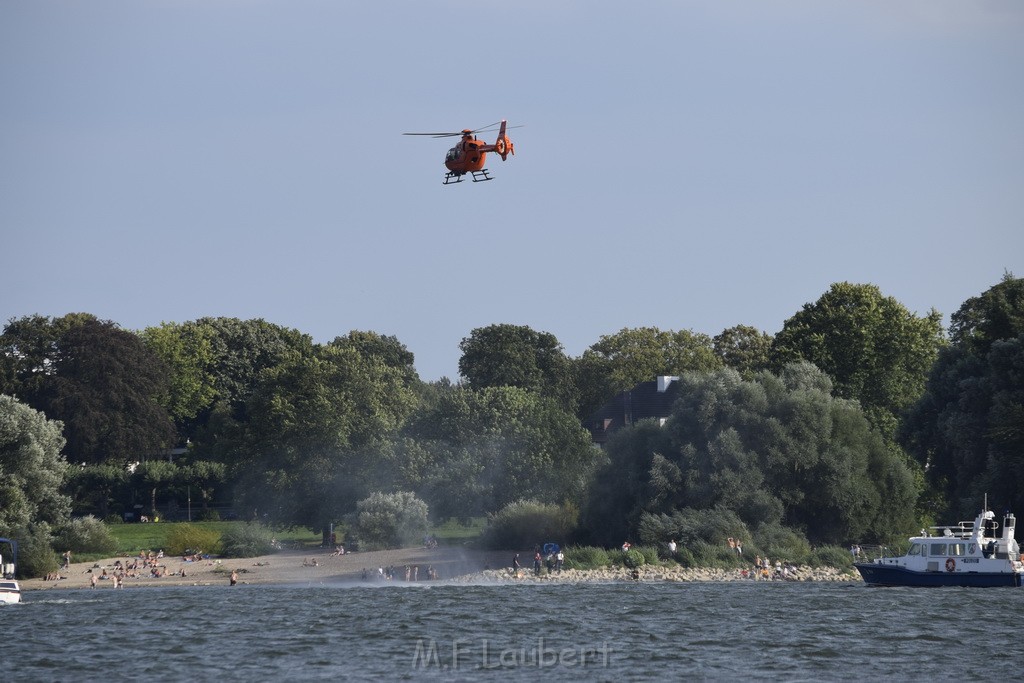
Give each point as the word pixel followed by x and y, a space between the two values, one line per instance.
pixel 452 178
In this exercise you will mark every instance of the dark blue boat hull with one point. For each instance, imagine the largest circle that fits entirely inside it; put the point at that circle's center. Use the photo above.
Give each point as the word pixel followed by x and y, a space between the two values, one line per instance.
pixel 891 575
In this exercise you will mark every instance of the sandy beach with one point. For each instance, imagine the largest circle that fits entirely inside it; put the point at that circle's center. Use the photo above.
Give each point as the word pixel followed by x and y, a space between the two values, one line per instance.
pixel 314 567
pixel 286 567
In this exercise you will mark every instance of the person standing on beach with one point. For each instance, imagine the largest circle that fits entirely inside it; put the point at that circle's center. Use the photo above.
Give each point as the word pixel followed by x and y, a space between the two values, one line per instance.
pixel 515 564
pixel 234 577
pixel 560 560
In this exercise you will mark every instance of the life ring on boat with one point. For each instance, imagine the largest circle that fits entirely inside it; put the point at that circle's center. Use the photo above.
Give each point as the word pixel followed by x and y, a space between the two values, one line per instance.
pixel 950 564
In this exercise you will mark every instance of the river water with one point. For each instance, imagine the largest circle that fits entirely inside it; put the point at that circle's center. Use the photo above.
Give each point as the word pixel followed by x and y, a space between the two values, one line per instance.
pixel 613 632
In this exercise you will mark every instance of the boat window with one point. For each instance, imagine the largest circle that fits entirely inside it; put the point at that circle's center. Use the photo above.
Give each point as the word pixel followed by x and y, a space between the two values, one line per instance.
pixel 915 549
pixel 956 549
pixel 938 549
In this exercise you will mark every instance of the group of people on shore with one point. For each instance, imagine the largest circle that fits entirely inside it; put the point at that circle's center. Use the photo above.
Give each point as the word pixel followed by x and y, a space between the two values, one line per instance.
pixel 554 561
pixel 764 570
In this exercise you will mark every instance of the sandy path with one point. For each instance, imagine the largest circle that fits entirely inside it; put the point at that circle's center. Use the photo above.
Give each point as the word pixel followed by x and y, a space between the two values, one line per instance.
pixel 287 566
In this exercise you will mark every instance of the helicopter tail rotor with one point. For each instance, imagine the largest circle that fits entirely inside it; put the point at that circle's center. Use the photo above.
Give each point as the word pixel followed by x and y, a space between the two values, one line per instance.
pixel 503 145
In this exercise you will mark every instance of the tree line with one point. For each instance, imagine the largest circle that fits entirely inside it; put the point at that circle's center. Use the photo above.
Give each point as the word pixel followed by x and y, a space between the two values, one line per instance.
pixel 857 421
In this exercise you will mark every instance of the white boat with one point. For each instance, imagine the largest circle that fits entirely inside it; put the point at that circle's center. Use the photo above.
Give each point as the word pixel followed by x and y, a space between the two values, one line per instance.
pixel 10 591
pixel 971 554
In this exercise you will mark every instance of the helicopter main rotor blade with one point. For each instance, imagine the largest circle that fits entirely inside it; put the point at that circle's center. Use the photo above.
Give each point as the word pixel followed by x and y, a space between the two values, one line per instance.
pixel 485 129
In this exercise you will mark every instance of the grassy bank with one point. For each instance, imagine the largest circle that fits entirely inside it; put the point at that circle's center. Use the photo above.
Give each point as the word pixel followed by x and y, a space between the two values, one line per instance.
pixel 133 538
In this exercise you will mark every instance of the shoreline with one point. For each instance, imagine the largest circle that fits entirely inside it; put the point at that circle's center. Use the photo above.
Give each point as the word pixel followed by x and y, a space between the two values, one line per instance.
pixel 653 574
pixel 451 565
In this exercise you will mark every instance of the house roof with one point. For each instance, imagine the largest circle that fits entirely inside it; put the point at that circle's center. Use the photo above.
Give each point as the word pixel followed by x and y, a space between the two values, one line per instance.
pixel 647 400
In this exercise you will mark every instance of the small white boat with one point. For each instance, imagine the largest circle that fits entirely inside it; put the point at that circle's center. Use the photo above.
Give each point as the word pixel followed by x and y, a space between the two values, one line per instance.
pixel 971 554
pixel 10 591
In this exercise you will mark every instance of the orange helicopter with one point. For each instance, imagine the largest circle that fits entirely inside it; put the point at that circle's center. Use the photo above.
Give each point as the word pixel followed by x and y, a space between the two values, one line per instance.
pixel 469 155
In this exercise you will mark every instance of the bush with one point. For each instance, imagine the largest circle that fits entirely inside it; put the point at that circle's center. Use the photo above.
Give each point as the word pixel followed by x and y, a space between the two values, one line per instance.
pixel 86 535
pixel 390 520
pixel 186 539
pixel 650 553
pixel 713 555
pixel 585 557
pixel 633 558
pixel 36 557
pixel 831 556
pixel 782 543
pixel 247 540
pixel 689 526
pixel 528 523
pixel 685 557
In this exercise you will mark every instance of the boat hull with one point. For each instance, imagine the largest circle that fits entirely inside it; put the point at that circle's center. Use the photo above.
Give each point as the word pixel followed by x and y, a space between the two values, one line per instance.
pixel 891 575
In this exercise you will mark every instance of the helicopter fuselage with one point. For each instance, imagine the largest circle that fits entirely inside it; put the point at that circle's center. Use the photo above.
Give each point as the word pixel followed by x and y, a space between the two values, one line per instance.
pixel 467 156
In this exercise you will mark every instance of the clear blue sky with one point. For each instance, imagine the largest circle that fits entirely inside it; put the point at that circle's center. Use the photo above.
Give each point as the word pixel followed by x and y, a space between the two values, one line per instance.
pixel 685 165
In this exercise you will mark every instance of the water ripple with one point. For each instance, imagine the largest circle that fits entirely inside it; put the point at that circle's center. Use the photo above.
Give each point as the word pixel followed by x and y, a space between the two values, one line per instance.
pixel 455 632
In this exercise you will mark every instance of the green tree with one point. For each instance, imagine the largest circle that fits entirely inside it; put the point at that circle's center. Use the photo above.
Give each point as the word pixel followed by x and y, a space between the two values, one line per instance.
pixel 100 381
pixel 187 351
pixel 242 349
pixel 773 449
pixel 28 346
pixel 744 348
pixel 309 421
pixel 967 429
pixel 154 475
pixel 95 488
pixel 517 356
pixel 996 314
pixel 621 361
pixel 873 348
pixel 205 476
pixel 32 468
pixel 475 451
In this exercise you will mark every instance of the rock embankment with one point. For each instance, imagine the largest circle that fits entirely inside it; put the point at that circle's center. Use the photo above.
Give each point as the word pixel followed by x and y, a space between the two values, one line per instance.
pixel 655 573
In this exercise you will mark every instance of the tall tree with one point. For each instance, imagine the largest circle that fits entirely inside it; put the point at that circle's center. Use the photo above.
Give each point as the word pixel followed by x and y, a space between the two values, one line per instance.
pixel 967 430
pixel 996 314
pixel 308 422
pixel 517 356
pixel 242 349
pixel 621 361
pixel 99 380
pixel 32 468
pixel 475 451
pixel 774 449
pixel 873 348
pixel 743 348
pixel 187 352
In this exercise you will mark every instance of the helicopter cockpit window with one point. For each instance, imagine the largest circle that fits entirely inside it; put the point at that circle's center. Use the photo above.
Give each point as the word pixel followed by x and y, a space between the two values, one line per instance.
pixel 452 154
